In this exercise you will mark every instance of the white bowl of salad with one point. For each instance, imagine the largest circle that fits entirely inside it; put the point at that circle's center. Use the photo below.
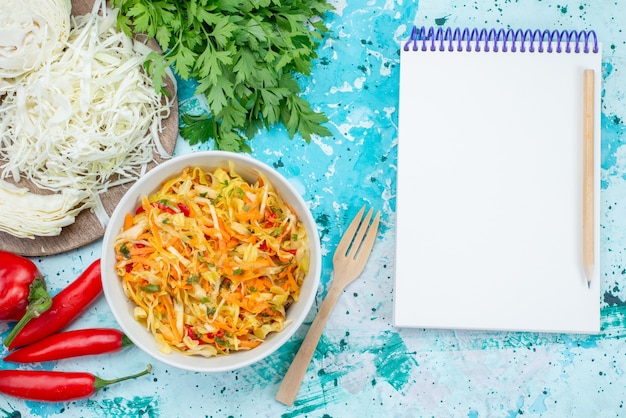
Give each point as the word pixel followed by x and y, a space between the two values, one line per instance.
pixel 211 261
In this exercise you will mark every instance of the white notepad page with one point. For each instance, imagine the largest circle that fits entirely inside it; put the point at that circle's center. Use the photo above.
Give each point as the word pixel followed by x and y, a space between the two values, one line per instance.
pixel 489 198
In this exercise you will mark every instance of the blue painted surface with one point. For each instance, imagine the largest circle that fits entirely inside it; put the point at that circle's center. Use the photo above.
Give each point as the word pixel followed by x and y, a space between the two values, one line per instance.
pixel 363 365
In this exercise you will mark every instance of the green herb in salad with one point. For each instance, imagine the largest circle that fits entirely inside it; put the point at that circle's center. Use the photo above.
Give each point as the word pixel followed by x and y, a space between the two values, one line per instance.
pixel 246 56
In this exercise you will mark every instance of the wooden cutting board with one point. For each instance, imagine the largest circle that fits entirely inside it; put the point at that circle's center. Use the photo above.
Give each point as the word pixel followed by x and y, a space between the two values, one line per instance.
pixel 87 227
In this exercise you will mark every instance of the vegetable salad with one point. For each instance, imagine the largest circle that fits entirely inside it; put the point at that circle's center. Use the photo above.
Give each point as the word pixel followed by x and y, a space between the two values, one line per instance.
pixel 212 261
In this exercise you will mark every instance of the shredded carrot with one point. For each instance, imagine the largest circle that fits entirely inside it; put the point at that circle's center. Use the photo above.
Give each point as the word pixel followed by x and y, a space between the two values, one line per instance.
pixel 248 344
pixel 128 221
pixel 231 254
pixel 167 302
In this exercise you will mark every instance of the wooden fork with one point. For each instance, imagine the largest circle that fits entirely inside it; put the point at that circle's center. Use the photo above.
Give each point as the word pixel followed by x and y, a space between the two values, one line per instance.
pixel 348 263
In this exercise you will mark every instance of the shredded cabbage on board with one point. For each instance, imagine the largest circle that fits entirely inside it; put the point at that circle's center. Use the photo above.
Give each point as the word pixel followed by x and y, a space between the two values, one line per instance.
pixel 87 118
pixel 212 262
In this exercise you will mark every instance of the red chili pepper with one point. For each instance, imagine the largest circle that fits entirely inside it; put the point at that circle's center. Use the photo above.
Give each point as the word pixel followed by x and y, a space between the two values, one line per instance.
pixel 67 305
pixel 23 292
pixel 82 342
pixel 53 386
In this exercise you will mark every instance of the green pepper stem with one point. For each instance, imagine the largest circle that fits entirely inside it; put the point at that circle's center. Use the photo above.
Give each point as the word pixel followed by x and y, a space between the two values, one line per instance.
pixel 100 383
pixel 39 301
pixel 126 341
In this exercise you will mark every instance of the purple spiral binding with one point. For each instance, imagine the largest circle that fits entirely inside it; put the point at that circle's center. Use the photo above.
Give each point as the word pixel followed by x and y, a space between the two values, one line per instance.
pixel 467 39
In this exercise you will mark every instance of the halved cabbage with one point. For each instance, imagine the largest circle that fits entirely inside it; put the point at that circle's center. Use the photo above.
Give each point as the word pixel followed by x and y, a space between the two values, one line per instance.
pixel 31 31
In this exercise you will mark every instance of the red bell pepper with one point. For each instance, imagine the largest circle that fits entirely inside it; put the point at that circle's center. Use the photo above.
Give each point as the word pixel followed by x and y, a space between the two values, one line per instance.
pixel 184 209
pixel 23 291
pixel 82 342
pixel 67 305
pixel 165 206
pixel 53 386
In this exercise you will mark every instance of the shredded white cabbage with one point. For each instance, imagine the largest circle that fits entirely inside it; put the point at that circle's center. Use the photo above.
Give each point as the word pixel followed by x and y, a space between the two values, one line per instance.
pixel 31 31
pixel 88 118
pixel 25 214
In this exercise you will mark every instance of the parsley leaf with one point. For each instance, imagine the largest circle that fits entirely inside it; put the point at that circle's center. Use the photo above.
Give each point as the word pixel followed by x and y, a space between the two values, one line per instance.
pixel 246 56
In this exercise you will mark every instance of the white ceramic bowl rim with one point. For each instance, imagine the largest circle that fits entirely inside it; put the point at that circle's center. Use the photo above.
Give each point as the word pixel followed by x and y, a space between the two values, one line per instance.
pixel 122 308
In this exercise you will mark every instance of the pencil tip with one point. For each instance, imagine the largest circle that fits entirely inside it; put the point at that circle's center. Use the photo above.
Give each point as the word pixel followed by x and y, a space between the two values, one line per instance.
pixel 589 275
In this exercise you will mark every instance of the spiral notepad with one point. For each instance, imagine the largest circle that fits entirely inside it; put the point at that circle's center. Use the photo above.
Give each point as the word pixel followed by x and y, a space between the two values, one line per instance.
pixel 490 180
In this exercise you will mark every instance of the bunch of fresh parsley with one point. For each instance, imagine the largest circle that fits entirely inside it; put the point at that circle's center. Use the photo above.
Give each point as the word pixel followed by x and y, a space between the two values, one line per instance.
pixel 246 56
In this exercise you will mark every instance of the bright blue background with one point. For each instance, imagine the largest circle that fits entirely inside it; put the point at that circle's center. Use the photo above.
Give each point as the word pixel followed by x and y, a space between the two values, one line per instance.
pixel 364 366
